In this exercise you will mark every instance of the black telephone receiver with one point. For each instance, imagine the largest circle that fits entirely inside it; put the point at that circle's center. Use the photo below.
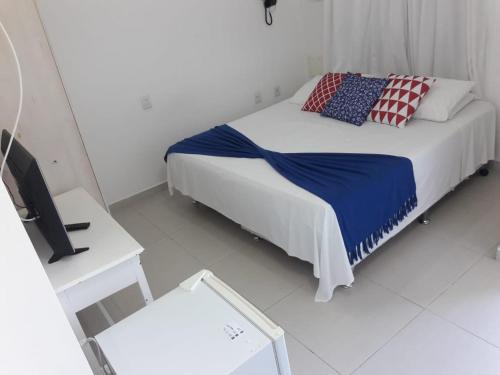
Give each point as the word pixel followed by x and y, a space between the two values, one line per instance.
pixel 268 4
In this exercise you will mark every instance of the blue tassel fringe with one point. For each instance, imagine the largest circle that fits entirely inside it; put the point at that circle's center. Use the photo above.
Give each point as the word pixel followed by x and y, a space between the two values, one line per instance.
pixel 373 239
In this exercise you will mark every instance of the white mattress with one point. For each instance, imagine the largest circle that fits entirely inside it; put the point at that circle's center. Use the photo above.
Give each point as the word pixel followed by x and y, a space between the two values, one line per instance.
pixel 252 194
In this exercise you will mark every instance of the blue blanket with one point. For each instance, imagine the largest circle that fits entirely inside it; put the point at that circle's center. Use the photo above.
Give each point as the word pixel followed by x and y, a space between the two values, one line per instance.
pixel 369 193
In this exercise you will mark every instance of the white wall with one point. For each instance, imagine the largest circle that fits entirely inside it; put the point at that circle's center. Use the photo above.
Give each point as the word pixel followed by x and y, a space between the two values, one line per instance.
pixel 47 126
pixel 36 338
pixel 201 62
pixel 312 16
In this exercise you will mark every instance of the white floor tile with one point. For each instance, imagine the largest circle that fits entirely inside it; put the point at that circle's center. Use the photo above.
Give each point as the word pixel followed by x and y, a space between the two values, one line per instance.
pixel 418 264
pixel 429 345
pixel 201 244
pixel 474 301
pixel 455 214
pixel 422 264
pixel 305 362
pixel 166 264
pixel 124 303
pixel 158 198
pixel 157 211
pixel 138 226
pixel 195 213
pixel 350 328
pixel 470 214
pixel 482 188
pixel 279 262
pixel 259 284
pixel 92 320
pixel 485 232
pixel 229 232
pixel 492 253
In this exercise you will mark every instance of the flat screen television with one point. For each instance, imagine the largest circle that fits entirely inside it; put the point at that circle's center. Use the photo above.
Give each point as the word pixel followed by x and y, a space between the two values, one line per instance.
pixel 37 199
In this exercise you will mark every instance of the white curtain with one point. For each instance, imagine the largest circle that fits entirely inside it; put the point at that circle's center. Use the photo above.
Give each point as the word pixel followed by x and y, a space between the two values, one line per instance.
pixel 444 38
pixel 477 39
pixel 366 36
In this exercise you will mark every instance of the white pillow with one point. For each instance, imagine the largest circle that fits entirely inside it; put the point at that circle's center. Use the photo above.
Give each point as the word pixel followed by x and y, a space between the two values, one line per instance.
pixel 442 99
pixel 461 104
pixel 303 93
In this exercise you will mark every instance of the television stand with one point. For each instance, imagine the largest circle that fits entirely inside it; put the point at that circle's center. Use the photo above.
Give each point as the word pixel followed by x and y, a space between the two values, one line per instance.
pixel 55 258
pixel 72 228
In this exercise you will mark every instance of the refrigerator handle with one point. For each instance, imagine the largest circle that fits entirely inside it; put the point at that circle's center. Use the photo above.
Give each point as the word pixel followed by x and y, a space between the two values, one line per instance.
pixel 195 280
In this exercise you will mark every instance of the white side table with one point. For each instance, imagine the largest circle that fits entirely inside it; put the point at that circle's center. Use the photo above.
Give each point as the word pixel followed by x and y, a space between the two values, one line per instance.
pixel 112 263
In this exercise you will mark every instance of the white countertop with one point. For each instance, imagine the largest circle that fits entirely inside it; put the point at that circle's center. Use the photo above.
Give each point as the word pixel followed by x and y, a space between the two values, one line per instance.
pixel 109 243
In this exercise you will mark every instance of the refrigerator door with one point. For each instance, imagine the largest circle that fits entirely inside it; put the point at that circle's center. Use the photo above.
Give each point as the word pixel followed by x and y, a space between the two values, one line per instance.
pixel 263 363
pixel 197 328
pixel 254 315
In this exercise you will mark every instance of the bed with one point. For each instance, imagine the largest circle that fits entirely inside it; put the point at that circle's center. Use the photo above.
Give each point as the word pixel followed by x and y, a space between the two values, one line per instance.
pixel 251 193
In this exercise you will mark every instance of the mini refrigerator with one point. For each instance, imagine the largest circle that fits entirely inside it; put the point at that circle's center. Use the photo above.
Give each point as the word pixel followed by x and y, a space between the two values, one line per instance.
pixel 201 327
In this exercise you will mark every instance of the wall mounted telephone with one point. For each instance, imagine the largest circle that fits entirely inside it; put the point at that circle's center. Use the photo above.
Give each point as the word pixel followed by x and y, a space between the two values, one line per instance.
pixel 267 5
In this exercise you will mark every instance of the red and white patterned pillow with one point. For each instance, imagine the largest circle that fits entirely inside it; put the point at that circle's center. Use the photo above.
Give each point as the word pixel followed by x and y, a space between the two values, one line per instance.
pixel 400 99
pixel 323 92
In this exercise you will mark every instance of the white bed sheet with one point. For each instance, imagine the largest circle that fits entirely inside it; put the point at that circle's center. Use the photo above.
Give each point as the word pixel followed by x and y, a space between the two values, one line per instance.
pixel 251 193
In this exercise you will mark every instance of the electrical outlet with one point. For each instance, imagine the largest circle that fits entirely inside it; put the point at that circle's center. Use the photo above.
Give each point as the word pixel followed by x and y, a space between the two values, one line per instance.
pixel 277 91
pixel 258 97
pixel 146 102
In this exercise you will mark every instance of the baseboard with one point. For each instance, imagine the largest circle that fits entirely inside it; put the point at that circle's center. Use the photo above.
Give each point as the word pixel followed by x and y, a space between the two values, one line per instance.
pixel 136 197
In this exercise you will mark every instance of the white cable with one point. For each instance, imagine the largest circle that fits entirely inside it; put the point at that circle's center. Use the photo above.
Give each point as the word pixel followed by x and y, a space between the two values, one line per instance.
pixel 24 220
pixel 18 116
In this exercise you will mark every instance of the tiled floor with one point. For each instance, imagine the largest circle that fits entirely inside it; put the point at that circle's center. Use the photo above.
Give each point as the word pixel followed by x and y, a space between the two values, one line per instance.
pixel 428 302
